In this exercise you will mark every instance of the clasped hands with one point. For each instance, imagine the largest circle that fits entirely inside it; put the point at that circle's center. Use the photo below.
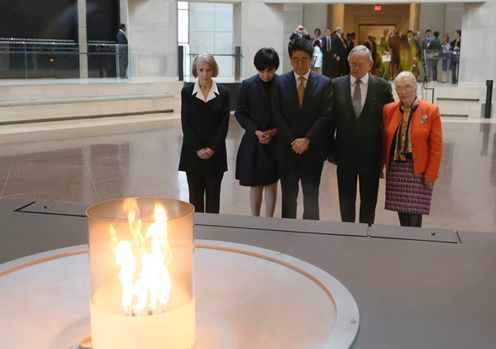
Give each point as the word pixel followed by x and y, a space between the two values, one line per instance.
pixel 265 137
pixel 300 145
pixel 205 153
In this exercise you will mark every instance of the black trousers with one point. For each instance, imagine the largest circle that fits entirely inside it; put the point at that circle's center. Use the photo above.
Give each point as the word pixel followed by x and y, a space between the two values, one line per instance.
pixel 292 172
pixel 204 191
pixel 123 62
pixel 347 188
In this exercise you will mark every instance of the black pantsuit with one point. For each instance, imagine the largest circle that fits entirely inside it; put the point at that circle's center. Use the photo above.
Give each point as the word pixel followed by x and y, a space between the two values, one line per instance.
pixel 204 125
pixel 204 191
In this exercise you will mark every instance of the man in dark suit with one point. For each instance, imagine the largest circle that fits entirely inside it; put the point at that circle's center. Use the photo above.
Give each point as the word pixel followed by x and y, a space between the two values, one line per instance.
pixel 339 54
pixel 299 33
pixel 327 59
pixel 301 109
pixel 356 134
pixel 122 51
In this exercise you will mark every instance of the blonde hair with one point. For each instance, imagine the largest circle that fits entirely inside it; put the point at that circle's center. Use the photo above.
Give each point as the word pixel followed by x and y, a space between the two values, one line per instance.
pixel 406 75
pixel 208 58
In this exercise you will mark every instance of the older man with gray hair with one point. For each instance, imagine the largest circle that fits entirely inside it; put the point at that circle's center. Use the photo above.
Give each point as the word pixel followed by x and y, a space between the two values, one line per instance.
pixel 356 134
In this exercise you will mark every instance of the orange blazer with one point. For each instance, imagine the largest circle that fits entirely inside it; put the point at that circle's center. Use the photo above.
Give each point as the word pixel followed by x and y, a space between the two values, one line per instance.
pixel 426 136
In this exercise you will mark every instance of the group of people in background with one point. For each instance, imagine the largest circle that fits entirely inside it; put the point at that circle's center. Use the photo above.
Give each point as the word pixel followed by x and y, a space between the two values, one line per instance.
pixel 392 53
pixel 297 121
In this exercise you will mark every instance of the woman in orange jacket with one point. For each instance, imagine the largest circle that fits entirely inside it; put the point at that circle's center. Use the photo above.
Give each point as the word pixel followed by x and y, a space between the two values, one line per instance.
pixel 413 145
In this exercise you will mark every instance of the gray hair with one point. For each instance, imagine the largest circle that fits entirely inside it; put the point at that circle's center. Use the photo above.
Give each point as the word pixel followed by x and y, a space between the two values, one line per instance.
pixel 361 48
pixel 408 76
pixel 208 58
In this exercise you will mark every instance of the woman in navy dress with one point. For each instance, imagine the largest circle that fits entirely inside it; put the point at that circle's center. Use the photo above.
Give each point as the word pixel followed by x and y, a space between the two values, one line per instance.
pixel 204 120
pixel 256 165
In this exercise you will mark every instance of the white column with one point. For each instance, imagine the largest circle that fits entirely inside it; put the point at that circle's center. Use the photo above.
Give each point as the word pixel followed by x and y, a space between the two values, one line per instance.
pixel 152 38
pixel 432 17
pixel 83 39
pixel 315 16
pixel 293 15
pixel 478 51
pixel 253 37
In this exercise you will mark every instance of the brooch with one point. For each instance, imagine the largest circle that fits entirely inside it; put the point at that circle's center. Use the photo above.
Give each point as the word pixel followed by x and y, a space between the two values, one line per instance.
pixel 423 118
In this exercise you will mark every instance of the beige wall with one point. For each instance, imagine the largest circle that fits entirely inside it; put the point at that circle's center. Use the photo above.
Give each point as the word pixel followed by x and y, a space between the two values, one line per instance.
pixel 152 35
pixel 397 15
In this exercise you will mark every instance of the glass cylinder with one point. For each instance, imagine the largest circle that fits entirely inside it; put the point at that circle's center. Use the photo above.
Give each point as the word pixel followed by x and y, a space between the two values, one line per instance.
pixel 141 265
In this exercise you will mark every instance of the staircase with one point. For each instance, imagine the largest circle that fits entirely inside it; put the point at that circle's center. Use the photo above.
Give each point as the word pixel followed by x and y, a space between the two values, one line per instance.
pixel 59 108
pixel 462 101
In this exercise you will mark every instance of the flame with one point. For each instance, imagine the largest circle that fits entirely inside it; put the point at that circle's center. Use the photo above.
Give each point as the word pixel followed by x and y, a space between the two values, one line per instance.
pixel 145 279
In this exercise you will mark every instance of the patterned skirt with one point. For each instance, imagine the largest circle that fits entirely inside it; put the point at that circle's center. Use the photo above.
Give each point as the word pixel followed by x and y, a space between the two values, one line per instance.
pixel 405 191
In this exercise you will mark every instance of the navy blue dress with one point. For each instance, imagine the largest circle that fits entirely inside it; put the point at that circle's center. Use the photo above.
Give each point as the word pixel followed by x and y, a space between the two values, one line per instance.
pixel 256 163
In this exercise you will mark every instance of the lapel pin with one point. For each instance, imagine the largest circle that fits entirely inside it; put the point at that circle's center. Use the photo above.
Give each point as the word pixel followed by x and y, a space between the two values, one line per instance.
pixel 423 118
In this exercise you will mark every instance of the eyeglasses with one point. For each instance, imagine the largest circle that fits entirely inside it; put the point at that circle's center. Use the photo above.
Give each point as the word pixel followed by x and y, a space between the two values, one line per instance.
pixel 358 65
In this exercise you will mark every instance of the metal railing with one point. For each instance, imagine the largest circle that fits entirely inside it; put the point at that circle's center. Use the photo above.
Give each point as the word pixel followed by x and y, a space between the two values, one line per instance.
pixel 232 70
pixel 55 58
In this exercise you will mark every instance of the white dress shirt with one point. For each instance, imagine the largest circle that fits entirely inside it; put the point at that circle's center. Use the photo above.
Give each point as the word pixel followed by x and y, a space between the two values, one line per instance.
pixel 214 92
pixel 363 86
pixel 298 81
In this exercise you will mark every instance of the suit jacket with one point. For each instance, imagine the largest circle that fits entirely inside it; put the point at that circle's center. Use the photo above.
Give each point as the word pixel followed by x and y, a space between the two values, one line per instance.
pixel 204 125
pixel 325 51
pixel 121 42
pixel 426 136
pixel 293 37
pixel 310 121
pixel 356 143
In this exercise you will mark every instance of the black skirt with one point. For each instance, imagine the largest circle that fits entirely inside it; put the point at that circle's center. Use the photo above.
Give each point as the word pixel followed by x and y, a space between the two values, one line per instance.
pixel 256 163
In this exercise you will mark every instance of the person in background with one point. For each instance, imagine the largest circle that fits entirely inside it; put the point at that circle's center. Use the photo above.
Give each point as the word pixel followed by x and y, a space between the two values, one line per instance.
pixel 317 57
pixel 316 35
pixel 204 120
pixel 394 44
pixel 302 108
pixel 406 58
pixel 413 146
pixel 327 58
pixel 338 52
pixel 300 32
pixel 434 53
pixel 456 45
pixel 350 39
pixel 384 53
pixel 356 135
pixel 417 66
pixel 256 164
pixel 122 51
pixel 446 61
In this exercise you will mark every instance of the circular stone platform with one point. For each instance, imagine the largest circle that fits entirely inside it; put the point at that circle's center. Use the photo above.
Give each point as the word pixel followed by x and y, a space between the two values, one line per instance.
pixel 247 297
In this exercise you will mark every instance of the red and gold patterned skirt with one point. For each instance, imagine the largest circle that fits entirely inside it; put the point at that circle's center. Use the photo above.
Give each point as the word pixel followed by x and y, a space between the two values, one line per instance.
pixel 405 190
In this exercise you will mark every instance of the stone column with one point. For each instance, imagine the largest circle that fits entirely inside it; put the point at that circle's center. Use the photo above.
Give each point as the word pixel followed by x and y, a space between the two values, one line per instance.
pixel 83 39
pixel 292 16
pixel 253 38
pixel 315 16
pixel 478 52
pixel 337 15
pixel 414 17
pixel 152 38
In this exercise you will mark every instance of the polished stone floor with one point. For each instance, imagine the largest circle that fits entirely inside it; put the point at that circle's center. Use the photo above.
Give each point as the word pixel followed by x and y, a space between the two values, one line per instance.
pixel 90 169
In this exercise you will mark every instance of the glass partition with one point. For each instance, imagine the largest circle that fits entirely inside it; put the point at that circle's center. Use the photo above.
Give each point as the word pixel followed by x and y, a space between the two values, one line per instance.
pixel 62 59
pixel 38 58
pixel 441 65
